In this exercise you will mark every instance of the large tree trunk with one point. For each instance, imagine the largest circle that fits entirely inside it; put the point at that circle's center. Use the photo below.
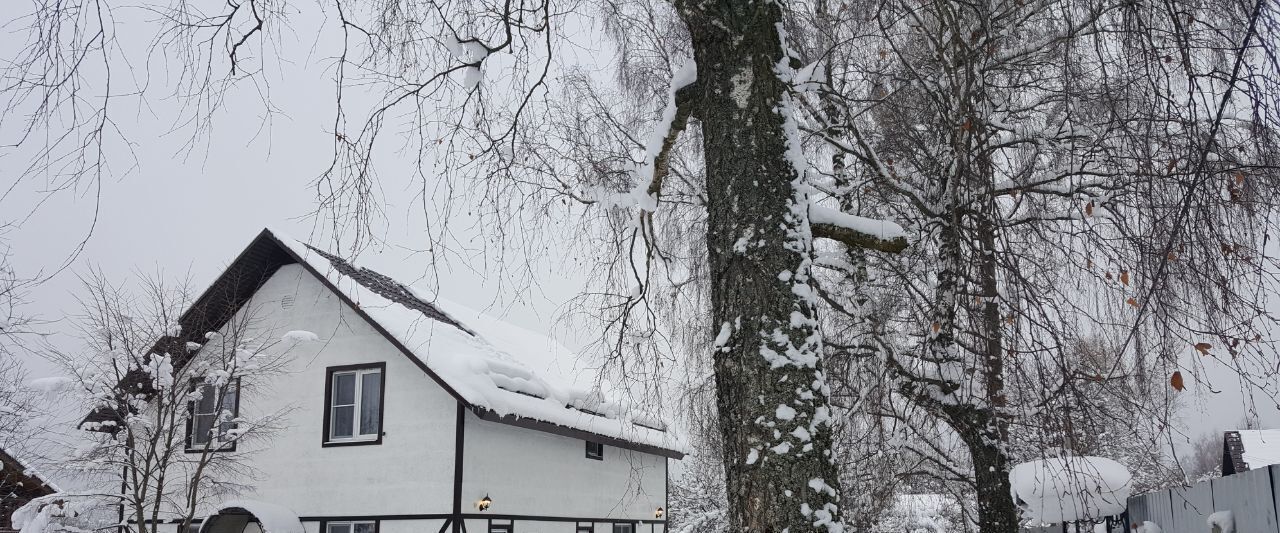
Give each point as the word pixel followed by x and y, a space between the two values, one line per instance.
pixel 771 391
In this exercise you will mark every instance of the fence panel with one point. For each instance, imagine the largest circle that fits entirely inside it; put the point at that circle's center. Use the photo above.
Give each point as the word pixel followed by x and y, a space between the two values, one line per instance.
pixel 1191 508
pixel 1249 498
pixel 1159 509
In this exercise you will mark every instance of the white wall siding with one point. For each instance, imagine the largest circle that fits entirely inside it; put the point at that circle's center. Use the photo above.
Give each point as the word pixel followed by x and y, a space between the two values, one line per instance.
pixel 527 472
pixel 410 472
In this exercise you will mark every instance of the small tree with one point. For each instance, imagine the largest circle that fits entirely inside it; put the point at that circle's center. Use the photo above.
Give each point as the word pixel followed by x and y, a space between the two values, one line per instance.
pixel 160 405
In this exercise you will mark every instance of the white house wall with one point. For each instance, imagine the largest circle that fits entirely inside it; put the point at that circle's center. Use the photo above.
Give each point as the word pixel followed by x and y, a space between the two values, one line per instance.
pixel 410 472
pixel 527 472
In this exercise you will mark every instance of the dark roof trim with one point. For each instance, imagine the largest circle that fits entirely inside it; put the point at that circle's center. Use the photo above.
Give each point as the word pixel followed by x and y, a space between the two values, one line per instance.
pixel 564 431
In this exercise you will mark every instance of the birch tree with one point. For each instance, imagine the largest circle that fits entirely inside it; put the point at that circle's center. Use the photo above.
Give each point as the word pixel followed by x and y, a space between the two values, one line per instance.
pixel 163 413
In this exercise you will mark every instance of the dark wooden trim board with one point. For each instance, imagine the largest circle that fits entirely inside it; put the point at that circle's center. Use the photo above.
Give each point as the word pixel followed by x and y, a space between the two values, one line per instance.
pixel 538 518
pixel 538 425
pixel 459 438
pixel 373 518
pixel 328 405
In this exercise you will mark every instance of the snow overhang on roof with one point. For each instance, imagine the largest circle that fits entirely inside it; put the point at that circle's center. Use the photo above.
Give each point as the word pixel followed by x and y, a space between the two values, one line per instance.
pixel 493 383
pixel 14 472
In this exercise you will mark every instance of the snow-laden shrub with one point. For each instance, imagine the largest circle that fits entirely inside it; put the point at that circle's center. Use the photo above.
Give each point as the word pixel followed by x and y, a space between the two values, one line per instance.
pixel 64 513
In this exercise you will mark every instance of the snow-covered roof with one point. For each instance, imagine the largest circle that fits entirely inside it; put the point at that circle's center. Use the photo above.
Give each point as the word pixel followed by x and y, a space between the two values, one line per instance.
pixel 1066 489
pixel 9 461
pixel 1261 447
pixel 497 369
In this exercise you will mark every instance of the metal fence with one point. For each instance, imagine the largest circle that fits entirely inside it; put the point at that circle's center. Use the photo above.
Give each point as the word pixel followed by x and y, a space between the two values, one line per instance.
pixel 1250 496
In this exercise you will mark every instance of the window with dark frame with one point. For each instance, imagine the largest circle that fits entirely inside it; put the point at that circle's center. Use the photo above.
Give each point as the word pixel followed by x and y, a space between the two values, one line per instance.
pixel 585 528
pixel 354 526
pixel 623 527
pixel 353 410
pixel 213 410
pixel 595 450
pixel 499 527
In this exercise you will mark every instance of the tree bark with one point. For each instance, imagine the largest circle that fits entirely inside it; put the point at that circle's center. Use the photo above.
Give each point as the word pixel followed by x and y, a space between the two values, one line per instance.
pixel 771 390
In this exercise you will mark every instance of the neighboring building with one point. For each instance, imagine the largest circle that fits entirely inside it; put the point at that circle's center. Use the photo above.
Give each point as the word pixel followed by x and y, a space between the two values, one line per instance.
pixel 1249 449
pixel 18 485
pixel 405 416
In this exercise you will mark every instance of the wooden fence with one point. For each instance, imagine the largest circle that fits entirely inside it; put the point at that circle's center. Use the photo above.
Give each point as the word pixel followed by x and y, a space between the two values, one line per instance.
pixel 1250 496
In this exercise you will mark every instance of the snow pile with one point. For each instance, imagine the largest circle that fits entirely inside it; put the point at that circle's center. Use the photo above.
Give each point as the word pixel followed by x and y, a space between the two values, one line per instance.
pixel 1261 447
pixel 273 518
pixel 1148 527
pixel 482 369
pixel 60 512
pixel 1066 489
pixel 52 384
pixel 1221 522
pixel 297 336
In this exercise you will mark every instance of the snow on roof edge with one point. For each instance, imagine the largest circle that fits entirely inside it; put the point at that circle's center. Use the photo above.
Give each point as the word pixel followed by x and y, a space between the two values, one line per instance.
pixel 30 471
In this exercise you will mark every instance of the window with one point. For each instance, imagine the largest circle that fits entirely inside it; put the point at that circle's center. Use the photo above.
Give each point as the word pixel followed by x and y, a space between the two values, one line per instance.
pixel 213 410
pixel 623 528
pixel 585 528
pixel 595 450
pixel 500 527
pixel 351 527
pixel 353 414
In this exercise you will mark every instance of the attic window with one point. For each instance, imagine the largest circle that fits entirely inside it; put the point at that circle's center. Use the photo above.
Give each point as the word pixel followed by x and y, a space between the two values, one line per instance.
pixel 286 302
pixel 595 450
pixel 353 404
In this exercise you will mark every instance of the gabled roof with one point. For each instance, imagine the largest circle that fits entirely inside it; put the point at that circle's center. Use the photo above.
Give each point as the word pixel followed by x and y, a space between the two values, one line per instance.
pixel 494 384
pixel 1248 449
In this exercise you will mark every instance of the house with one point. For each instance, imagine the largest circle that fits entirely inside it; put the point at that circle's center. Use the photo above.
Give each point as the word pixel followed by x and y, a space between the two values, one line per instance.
pixel 406 418
pixel 18 485
pixel 1248 449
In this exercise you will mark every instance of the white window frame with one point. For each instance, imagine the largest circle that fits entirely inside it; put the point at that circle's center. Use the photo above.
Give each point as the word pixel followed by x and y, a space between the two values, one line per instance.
pixel 356 436
pixel 351 525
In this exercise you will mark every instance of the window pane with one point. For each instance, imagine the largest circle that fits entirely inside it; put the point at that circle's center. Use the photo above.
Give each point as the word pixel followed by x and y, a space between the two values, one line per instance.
pixel 339 528
pixel 344 389
pixel 341 422
pixel 363 527
pixel 201 426
pixel 208 398
pixel 370 402
pixel 229 399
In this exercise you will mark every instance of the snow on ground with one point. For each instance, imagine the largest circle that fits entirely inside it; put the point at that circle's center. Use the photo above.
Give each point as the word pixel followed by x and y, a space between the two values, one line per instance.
pixel 922 513
pixel 1066 489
